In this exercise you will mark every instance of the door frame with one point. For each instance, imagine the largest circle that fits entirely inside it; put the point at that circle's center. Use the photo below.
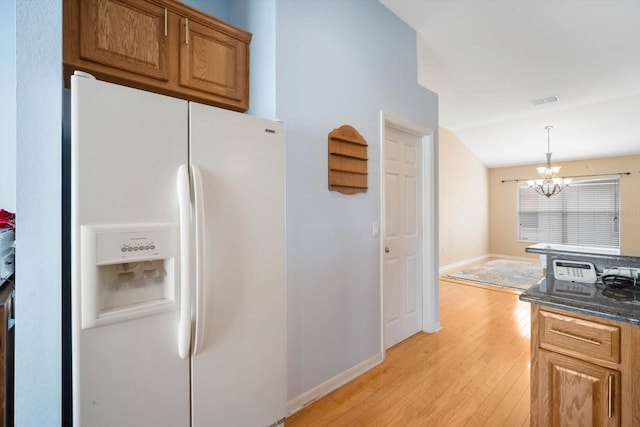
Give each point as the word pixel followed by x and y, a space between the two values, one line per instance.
pixel 429 238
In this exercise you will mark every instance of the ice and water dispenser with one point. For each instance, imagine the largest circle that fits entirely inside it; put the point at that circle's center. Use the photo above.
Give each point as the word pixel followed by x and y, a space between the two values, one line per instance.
pixel 127 272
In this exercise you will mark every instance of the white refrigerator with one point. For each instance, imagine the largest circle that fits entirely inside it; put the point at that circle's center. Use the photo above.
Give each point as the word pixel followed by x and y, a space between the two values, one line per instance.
pixel 178 262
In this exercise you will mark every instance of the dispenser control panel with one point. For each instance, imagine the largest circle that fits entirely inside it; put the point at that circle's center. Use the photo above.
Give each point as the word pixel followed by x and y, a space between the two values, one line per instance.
pixel 122 244
pixel 143 245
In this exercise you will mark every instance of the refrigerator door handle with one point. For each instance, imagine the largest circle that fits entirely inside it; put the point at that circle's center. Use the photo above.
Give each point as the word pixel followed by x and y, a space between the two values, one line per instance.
pixel 184 326
pixel 199 238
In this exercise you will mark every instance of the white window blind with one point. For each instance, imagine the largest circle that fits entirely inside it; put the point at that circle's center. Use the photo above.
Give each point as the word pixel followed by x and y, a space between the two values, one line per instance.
pixel 585 214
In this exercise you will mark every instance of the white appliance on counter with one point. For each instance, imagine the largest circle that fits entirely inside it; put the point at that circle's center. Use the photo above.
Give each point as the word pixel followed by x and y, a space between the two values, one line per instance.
pixel 574 271
pixel 178 262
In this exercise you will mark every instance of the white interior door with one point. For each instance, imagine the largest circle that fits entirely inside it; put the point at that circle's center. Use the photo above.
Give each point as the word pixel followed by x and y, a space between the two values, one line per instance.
pixel 402 259
pixel 238 379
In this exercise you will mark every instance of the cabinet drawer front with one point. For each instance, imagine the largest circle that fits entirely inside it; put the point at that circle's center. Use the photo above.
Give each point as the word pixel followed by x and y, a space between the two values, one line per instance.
pixel 578 337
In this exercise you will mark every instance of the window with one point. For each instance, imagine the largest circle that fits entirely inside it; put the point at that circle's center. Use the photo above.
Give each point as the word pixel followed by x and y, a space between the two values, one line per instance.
pixel 584 214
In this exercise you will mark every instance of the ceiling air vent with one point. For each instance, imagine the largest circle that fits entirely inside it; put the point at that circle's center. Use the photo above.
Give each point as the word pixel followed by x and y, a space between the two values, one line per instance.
pixel 547 100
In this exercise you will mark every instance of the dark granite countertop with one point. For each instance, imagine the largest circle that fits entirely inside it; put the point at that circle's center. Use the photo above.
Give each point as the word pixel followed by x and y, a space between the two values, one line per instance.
pixel 589 299
pixel 585 252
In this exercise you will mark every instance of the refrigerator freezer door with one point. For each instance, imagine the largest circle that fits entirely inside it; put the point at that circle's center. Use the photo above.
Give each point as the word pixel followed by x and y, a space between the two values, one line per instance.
pixel 238 378
pixel 127 146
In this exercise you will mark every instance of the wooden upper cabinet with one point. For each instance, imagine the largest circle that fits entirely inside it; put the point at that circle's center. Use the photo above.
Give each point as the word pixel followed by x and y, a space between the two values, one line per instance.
pixel 212 61
pixel 125 34
pixel 162 46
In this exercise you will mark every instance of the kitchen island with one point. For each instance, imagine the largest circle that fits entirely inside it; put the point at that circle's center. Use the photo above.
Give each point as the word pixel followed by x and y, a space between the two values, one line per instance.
pixel 585 345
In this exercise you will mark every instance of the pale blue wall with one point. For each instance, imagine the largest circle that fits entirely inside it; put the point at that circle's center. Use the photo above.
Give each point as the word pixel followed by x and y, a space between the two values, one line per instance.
pixel 259 17
pixel 217 8
pixel 338 62
pixel 38 258
pixel 7 105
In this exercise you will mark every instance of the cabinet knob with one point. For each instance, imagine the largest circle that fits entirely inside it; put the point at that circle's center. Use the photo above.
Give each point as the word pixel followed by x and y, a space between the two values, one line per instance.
pixel 386 249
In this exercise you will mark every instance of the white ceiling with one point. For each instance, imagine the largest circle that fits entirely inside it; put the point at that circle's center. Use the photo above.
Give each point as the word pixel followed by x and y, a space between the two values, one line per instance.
pixel 488 59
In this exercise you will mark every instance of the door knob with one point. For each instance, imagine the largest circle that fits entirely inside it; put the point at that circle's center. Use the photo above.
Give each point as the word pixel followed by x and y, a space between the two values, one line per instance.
pixel 386 249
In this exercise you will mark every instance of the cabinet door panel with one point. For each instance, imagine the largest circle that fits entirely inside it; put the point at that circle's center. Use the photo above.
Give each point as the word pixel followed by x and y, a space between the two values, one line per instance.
pixel 125 34
pixel 577 393
pixel 212 61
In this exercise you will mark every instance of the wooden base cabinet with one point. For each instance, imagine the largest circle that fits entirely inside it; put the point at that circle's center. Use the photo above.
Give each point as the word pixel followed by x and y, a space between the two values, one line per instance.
pixel 161 46
pixel 584 370
pixel 576 392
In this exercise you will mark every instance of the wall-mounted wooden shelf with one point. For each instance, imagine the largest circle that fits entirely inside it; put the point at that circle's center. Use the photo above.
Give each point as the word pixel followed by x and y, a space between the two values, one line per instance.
pixel 347 161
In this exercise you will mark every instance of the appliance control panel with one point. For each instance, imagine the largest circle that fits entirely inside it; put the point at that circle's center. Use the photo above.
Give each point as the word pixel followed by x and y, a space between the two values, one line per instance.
pixel 574 271
pixel 116 244
pixel 138 246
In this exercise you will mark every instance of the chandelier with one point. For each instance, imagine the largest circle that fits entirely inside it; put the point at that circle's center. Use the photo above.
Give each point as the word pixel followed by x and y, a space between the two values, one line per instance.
pixel 549 184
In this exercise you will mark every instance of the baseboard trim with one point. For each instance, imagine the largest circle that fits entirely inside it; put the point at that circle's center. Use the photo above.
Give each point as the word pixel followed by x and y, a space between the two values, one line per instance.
pixel 307 398
pixel 432 328
pixel 456 265
pixel 515 258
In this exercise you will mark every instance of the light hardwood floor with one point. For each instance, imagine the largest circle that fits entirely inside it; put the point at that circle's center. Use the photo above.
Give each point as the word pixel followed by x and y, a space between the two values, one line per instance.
pixel 474 372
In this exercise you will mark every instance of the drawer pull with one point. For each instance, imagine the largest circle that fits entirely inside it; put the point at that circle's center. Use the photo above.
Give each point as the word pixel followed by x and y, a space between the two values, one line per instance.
pixel 610 396
pixel 575 337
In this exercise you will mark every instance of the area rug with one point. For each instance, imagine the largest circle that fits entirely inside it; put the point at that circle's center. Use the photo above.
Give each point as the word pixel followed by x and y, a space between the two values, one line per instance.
pixel 505 273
